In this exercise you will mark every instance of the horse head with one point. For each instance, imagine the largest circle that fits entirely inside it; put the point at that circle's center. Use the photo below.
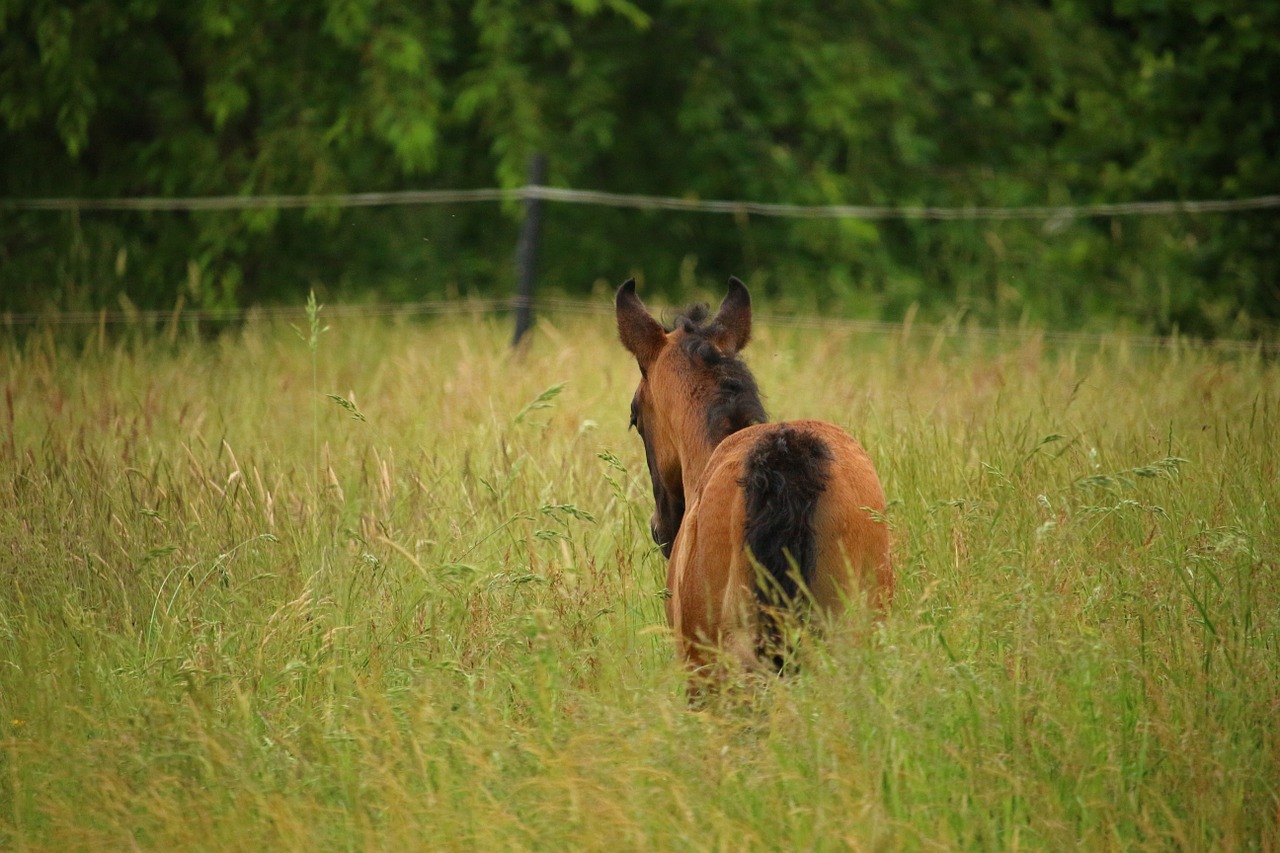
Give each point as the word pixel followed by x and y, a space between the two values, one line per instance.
pixel 693 392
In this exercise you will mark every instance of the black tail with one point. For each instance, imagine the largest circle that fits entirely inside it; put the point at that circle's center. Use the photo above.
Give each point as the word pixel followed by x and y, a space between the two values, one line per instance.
pixel 786 473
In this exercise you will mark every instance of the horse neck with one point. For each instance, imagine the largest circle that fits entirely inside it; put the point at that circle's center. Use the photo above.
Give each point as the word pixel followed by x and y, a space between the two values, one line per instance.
pixel 695 449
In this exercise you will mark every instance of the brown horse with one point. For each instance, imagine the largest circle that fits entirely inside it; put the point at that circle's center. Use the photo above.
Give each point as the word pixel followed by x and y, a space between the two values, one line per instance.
pixel 754 517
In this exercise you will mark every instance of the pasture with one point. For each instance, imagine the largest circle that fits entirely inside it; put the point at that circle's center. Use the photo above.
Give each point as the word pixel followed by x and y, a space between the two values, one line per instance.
pixel 387 586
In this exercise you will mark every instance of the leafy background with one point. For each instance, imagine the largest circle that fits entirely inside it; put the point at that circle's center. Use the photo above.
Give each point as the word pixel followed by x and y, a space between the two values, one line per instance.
pixel 971 102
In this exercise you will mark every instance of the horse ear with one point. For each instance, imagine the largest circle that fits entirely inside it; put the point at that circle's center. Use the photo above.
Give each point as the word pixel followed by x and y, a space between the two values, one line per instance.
pixel 642 335
pixel 734 317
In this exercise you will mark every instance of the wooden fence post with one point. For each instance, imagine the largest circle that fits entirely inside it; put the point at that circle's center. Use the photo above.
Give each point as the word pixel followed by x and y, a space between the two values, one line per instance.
pixel 527 250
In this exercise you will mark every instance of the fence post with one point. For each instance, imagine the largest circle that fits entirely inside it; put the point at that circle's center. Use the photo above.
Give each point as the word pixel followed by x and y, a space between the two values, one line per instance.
pixel 527 250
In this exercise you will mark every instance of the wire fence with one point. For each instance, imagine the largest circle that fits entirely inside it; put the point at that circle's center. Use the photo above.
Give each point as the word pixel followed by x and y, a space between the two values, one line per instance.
pixel 644 202
pixel 535 192
pixel 603 308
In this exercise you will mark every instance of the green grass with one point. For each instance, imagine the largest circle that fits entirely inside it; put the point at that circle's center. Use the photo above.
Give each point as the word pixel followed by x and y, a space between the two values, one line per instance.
pixel 233 615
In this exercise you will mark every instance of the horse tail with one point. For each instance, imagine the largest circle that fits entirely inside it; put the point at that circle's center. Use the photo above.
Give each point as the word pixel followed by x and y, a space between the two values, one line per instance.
pixel 785 474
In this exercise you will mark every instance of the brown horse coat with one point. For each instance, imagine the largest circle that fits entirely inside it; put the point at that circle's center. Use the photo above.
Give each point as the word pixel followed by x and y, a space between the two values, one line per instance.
pixel 733 492
pixel 711 578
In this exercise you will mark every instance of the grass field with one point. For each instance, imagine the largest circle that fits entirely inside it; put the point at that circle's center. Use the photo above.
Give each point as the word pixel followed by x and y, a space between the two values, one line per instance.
pixel 238 613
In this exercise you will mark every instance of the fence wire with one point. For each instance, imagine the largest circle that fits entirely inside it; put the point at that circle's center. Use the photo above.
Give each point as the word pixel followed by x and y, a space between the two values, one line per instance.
pixel 553 307
pixel 616 200
pixel 645 202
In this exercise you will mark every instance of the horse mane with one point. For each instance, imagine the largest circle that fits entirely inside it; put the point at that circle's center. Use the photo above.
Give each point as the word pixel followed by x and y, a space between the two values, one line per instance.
pixel 736 403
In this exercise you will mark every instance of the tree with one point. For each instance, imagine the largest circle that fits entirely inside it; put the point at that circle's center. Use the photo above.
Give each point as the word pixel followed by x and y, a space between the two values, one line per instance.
pixel 858 101
pixel 1190 113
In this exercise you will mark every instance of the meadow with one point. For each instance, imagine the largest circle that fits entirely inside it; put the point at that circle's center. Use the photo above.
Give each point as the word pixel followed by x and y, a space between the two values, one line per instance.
pixel 388 585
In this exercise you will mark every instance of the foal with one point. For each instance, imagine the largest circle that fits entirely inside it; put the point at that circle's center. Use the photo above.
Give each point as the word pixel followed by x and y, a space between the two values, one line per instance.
pixel 753 516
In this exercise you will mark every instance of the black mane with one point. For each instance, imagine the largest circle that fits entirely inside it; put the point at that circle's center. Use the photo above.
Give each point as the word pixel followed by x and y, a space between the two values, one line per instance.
pixel 736 403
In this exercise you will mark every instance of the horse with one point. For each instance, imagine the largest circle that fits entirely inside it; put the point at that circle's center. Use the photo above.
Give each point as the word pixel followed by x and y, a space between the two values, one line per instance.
pixel 757 520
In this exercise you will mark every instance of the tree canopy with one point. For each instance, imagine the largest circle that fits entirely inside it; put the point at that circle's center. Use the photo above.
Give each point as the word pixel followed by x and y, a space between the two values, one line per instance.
pixel 876 102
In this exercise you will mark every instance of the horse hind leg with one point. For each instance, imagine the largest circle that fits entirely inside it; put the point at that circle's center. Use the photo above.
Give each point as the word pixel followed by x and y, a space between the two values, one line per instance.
pixel 728 668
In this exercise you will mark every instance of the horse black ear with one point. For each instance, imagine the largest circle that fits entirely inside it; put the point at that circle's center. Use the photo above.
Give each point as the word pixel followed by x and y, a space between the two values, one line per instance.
pixel 734 317
pixel 642 335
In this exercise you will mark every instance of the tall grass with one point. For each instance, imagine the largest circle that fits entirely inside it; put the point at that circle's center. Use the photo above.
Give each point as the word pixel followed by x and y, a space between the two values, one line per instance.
pixel 440 624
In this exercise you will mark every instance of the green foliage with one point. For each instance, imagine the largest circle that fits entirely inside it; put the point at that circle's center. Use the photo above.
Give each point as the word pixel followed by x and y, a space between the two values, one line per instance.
pixel 867 102
pixel 1186 112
